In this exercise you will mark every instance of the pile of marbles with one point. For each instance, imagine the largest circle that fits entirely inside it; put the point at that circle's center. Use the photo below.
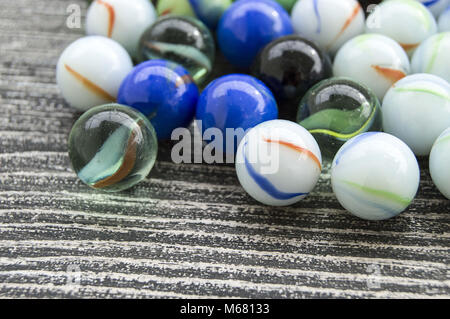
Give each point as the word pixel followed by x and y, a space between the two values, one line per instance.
pixel 361 87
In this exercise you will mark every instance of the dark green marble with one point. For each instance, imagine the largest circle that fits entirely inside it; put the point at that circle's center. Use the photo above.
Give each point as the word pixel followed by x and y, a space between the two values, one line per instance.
pixel 183 40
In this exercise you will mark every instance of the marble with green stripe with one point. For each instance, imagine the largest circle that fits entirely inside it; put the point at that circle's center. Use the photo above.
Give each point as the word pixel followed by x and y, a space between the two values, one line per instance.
pixel 375 176
pixel 416 110
pixel 440 163
pixel 407 22
pixel 337 109
pixel 183 40
pixel 433 56
pixel 112 147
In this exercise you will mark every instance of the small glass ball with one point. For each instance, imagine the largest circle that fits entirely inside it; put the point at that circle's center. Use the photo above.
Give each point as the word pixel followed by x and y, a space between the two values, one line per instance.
pixel 112 147
pixel 336 110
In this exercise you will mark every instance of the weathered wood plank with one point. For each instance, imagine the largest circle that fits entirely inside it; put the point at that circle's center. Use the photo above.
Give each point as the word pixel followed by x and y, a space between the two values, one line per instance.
pixel 188 230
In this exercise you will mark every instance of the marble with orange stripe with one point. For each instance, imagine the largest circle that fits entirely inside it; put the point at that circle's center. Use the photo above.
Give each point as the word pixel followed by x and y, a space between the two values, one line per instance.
pixel 278 163
pixel 329 23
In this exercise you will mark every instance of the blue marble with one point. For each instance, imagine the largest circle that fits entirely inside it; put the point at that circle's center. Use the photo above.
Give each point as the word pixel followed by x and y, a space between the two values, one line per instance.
pixel 164 92
pixel 235 101
pixel 248 26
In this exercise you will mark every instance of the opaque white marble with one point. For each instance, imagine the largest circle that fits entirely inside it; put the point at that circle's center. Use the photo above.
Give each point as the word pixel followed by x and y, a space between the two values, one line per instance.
pixel 121 20
pixel 374 60
pixel 416 110
pixel 407 22
pixel 375 176
pixel 440 163
pixel 329 23
pixel 278 162
pixel 90 70
pixel 433 56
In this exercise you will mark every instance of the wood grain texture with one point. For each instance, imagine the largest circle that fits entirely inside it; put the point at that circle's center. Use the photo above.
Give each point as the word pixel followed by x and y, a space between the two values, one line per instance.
pixel 187 230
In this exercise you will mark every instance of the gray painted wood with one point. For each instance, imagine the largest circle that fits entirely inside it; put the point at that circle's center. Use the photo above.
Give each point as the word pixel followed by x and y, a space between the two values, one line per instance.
pixel 188 230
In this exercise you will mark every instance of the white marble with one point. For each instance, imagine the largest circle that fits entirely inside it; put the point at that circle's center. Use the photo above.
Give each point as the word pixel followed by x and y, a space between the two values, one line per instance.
pixel 407 22
pixel 121 20
pixel 90 70
pixel 444 21
pixel 278 162
pixel 329 23
pixel 440 163
pixel 433 56
pixel 435 6
pixel 375 176
pixel 416 110
pixel 374 60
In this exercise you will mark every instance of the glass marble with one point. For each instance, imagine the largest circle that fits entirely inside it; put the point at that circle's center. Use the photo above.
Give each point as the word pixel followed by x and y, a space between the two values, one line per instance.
pixel 444 21
pixel 248 26
pixel 177 7
pixel 336 110
pixel 90 70
pixel 407 22
pixel 183 40
pixel 373 60
pixel 416 110
pixel 439 162
pixel 287 4
pixel 278 163
pixel 164 92
pixel 236 102
pixel 435 6
pixel 112 147
pixel 329 23
pixel 289 66
pixel 432 56
pixel 121 20
pixel 210 11
pixel 375 176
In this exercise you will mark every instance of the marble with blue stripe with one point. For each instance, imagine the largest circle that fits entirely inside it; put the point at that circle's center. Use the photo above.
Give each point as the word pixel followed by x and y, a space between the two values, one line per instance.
pixel 435 6
pixel 278 163
pixel 375 176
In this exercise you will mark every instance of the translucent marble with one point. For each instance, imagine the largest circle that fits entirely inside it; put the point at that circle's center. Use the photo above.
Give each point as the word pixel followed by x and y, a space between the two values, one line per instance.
pixel 90 70
pixel 234 102
pixel 164 92
pixel 416 110
pixel 329 23
pixel 439 163
pixel 375 176
pixel 432 56
pixel 444 21
pixel 289 66
pixel 287 4
pixel 374 60
pixel 248 26
pixel 112 147
pixel 210 11
pixel 336 110
pixel 407 22
pixel 176 7
pixel 278 163
pixel 121 20
pixel 435 6
pixel 183 40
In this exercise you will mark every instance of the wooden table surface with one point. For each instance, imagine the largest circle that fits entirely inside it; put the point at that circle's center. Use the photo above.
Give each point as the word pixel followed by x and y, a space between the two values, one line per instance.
pixel 187 230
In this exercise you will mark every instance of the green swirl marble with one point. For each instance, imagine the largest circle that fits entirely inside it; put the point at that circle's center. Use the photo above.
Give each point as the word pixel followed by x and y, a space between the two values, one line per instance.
pixel 183 40
pixel 337 109
pixel 112 147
